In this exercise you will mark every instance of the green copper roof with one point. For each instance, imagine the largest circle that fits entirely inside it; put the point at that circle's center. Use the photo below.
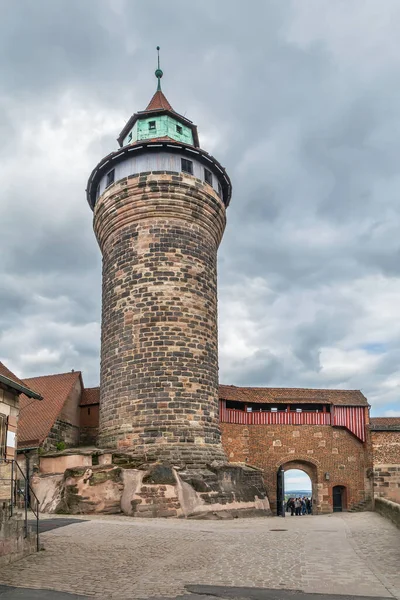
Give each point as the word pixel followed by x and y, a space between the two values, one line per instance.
pixel 158 120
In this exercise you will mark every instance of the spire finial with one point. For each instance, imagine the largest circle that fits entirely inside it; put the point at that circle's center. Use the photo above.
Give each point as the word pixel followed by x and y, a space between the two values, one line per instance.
pixel 158 72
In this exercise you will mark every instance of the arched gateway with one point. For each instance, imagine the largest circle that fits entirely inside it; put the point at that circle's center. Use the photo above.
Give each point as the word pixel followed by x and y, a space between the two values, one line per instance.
pixel 301 465
pixel 324 433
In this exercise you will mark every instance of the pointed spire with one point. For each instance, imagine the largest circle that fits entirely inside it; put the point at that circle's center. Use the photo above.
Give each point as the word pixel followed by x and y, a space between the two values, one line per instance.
pixel 159 101
pixel 158 72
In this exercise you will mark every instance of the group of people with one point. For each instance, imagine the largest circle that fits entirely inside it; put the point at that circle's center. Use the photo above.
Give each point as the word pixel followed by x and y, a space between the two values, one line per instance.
pixel 299 506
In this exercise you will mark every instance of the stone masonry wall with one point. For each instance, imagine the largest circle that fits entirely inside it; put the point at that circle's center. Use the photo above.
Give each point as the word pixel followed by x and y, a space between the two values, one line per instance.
pixel 62 432
pixel 386 447
pixel 159 233
pixel 388 509
pixel 386 457
pixel 316 449
pixel 13 543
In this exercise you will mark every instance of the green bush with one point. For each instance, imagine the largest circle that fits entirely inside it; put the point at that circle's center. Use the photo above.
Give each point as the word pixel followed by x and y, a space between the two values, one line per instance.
pixel 60 446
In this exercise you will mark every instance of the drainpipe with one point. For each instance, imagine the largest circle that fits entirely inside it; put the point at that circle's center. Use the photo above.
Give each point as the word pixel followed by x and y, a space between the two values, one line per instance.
pixel 28 478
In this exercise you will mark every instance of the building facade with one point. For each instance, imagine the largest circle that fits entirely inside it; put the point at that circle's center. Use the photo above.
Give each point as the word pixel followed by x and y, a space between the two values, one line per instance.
pixel 15 539
pixel 324 433
pixel 328 434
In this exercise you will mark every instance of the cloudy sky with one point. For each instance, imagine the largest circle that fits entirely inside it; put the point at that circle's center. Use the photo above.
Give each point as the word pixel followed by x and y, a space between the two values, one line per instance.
pixel 296 481
pixel 299 100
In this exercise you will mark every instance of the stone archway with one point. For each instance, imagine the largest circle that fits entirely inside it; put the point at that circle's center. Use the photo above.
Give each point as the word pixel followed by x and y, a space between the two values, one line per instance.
pixel 311 469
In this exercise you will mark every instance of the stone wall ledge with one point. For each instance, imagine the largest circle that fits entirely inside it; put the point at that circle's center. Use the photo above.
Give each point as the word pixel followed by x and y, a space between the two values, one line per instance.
pixel 80 450
pixel 388 509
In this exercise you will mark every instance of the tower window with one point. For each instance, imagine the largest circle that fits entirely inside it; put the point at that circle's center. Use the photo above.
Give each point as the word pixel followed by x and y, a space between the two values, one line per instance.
pixel 98 192
pixel 219 190
pixel 152 125
pixel 187 166
pixel 130 137
pixel 110 177
pixel 179 129
pixel 208 176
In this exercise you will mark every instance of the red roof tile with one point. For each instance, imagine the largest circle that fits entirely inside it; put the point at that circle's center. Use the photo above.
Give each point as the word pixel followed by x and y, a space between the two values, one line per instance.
pixel 7 373
pixel 386 420
pixel 37 418
pixel 382 423
pixel 90 396
pixel 159 102
pixel 292 395
pixel 17 384
pixel 164 138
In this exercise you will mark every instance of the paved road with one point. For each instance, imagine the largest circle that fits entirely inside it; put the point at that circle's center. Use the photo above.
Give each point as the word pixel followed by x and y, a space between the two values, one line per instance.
pixel 121 558
pixel 48 524
pixel 195 592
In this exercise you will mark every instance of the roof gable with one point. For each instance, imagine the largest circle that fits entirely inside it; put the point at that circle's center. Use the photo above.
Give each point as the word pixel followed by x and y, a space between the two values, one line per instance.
pixel 90 396
pixel 8 378
pixel 9 374
pixel 36 419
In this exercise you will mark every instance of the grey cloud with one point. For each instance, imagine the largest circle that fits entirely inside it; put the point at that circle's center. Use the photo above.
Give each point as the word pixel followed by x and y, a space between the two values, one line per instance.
pixel 308 135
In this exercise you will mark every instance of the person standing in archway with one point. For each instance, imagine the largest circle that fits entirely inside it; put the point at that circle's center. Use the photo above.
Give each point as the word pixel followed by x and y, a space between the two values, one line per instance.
pixel 308 504
pixel 291 506
pixel 297 507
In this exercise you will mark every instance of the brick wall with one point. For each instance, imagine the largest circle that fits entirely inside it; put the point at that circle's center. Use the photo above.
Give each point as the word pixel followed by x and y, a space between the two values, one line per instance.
pixel 315 449
pixel 386 458
pixel 159 233
pixel 89 416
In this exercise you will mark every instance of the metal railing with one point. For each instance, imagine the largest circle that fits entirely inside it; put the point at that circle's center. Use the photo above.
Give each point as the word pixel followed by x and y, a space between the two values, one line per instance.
pixel 21 495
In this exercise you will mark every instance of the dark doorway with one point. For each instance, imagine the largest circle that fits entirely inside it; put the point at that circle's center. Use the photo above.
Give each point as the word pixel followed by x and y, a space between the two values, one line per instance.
pixel 280 493
pixel 339 499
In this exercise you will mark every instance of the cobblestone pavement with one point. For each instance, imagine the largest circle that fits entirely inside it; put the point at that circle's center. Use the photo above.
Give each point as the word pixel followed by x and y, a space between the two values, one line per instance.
pixel 121 558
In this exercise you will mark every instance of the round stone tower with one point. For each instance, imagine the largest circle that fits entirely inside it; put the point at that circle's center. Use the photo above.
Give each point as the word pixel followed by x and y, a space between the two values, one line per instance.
pixel 159 207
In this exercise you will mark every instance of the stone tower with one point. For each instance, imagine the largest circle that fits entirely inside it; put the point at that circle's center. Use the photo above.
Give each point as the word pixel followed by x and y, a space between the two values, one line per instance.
pixel 159 205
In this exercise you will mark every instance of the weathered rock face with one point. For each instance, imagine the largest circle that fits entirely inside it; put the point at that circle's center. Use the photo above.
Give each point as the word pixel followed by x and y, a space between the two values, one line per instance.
pixel 48 489
pixel 159 234
pixel 88 490
pixel 158 490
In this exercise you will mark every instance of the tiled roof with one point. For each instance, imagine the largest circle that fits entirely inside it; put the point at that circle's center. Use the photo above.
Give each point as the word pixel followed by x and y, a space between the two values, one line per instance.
pixel 385 423
pixel 292 395
pixel 286 395
pixel 7 373
pixel 37 418
pixel 159 102
pixel 90 396
pixel 20 386
pixel 164 138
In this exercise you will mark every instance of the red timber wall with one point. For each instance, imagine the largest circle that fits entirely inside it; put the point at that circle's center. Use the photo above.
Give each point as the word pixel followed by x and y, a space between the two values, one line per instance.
pixel 305 441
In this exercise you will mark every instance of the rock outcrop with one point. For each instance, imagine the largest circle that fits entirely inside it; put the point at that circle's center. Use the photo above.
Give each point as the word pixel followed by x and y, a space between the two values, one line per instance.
pixel 155 490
